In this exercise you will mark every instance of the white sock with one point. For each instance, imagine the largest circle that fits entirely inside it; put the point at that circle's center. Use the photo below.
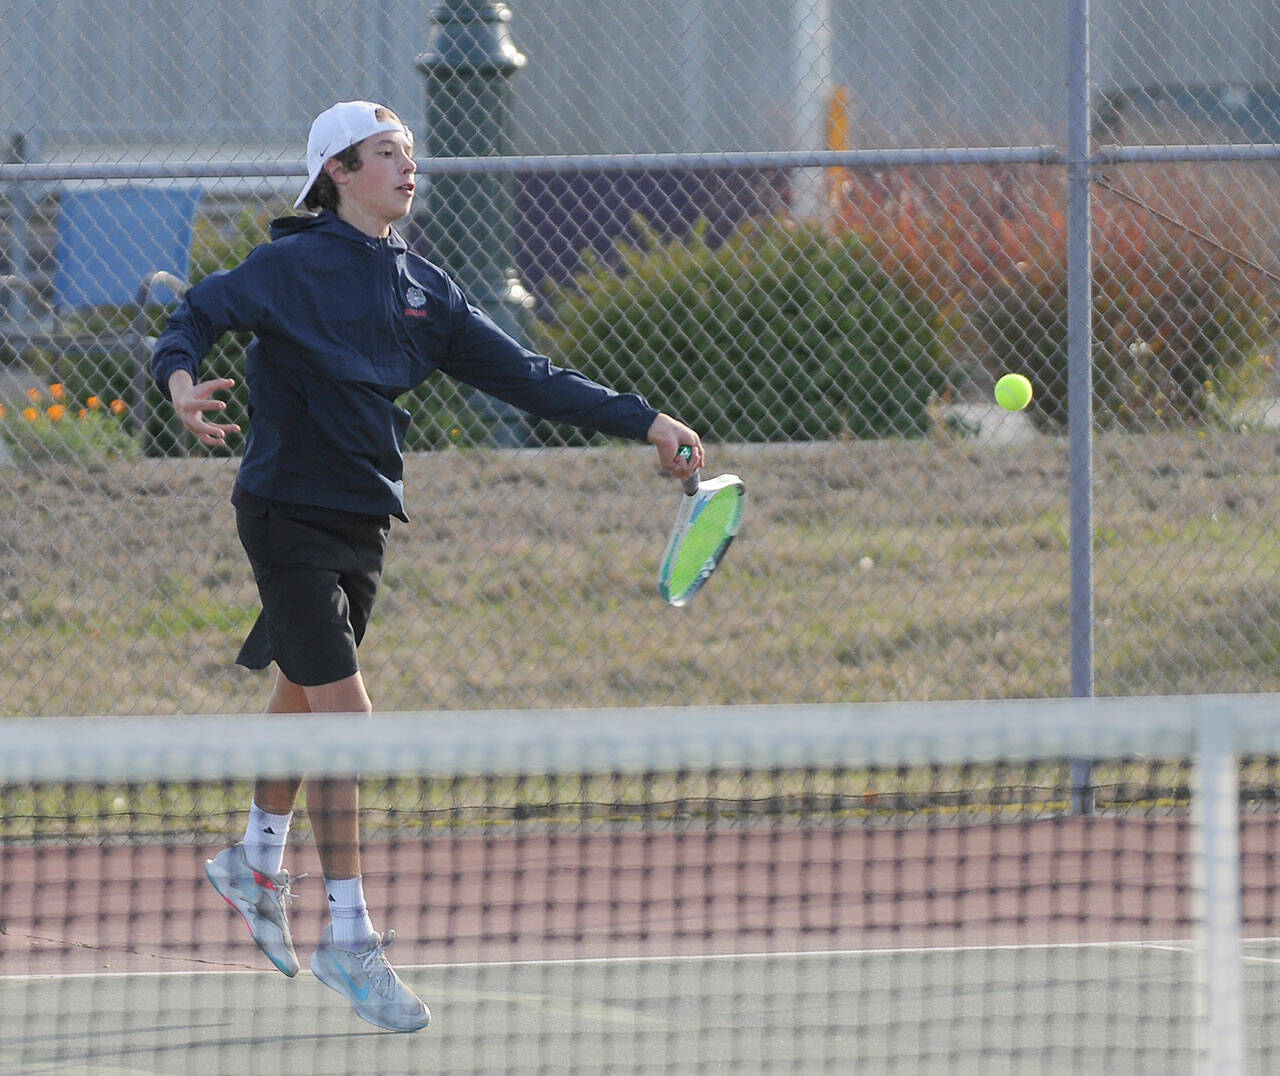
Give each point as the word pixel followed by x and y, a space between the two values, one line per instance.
pixel 264 840
pixel 352 927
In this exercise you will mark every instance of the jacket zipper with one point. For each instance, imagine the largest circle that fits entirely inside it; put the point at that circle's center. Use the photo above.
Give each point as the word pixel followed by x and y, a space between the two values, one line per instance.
pixel 386 267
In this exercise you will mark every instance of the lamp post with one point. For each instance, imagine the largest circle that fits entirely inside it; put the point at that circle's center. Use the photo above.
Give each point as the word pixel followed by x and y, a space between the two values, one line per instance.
pixel 469 62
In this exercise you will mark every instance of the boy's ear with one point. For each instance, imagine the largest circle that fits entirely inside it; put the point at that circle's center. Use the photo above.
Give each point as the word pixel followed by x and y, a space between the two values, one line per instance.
pixel 333 169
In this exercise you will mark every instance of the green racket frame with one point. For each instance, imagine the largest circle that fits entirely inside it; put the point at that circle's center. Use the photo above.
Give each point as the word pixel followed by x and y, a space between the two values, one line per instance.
pixel 708 520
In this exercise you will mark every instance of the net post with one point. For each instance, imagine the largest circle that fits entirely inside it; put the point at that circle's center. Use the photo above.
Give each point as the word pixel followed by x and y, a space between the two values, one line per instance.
pixel 1216 834
pixel 1082 790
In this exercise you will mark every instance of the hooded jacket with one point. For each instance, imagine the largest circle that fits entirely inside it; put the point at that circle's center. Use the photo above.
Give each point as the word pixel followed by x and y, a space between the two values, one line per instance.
pixel 343 324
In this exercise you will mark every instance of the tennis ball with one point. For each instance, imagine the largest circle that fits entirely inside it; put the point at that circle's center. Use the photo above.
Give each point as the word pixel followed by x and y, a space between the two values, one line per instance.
pixel 1013 392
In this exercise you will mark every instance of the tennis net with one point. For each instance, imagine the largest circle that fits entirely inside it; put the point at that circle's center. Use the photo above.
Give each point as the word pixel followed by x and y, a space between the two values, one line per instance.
pixel 951 887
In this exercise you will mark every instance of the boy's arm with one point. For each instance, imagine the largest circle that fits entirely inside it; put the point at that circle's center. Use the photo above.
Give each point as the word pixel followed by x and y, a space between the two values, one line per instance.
pixel 235 300
pixel 222 302
pixel 485 357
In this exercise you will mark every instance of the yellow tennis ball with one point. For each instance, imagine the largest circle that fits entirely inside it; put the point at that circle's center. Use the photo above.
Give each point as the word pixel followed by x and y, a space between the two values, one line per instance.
pixel 1013 392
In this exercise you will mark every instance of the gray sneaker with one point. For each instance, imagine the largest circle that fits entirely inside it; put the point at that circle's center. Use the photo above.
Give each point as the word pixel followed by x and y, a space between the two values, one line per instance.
pixel 260 899
pixel 367 981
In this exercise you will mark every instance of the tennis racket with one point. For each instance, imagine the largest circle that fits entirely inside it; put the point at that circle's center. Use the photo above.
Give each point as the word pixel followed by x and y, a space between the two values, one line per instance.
pixel 709 517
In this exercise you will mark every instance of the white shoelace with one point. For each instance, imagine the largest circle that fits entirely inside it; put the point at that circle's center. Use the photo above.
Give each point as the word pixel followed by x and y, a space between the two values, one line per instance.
pixel 287 895
pixel 375 965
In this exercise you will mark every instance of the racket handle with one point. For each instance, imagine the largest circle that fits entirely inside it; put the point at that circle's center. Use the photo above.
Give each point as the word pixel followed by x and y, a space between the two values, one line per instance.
pixel 691 483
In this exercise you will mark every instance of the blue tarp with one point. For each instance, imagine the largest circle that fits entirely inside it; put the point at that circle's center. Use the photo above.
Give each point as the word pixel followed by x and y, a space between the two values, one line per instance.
pixel 110 238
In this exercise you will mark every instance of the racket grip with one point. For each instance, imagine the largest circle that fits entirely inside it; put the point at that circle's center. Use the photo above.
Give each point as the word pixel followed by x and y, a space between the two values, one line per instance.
pixel 691 483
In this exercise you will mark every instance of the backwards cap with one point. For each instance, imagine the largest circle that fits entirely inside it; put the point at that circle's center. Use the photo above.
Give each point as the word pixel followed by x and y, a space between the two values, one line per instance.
pixel 340 127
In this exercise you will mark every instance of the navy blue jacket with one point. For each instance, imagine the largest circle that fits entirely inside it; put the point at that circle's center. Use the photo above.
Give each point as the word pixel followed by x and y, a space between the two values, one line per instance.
pixel 344 324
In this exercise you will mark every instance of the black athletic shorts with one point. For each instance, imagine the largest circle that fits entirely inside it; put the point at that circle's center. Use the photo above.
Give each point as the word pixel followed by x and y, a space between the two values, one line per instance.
pixel 317 571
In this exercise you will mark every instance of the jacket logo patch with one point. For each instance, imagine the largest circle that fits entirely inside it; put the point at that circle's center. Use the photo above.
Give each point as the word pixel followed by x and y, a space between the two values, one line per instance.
pixel 417 299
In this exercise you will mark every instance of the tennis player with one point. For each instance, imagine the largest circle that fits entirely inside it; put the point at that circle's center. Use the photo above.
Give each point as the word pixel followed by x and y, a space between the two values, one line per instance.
pixel 346 319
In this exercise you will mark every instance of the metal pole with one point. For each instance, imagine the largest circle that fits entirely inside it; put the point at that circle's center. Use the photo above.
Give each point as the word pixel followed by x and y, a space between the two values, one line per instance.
pixel 22 144
pixel 1215 806
pixel 1080 375
pixel 559 164
pixel 811 31
pixel 16 151
pixel 469 62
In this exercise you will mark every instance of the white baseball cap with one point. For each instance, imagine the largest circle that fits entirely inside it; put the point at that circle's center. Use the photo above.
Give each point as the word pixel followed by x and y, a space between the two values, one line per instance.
pixel 340 127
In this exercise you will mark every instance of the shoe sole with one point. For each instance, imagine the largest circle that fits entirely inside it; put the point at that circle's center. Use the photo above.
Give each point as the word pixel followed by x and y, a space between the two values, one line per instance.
pixel 218 879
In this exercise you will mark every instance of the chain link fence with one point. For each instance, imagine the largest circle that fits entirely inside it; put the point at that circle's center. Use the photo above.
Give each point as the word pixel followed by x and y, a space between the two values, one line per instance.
pixel 817 231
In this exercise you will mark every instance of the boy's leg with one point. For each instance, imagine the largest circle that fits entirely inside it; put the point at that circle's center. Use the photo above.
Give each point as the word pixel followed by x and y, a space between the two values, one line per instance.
pixel 242 874
pixel 278 795
pixel 273 800
pixel 333 803
pixel 350 958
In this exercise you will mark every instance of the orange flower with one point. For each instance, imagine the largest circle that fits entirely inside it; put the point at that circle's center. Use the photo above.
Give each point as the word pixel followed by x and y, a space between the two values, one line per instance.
pixel 82 413
pixel 33 395
pixel 93 403
pixel 30 414
pixel 57 391
pixel 118 407
pixel 3 411
pixel 56 413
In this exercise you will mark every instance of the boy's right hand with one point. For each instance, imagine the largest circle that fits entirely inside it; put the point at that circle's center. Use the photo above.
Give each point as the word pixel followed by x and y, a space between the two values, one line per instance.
pixel 192 400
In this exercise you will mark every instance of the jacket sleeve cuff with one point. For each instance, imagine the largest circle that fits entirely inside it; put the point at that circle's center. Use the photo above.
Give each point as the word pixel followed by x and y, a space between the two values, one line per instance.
pixel 163 366
pixel 646 421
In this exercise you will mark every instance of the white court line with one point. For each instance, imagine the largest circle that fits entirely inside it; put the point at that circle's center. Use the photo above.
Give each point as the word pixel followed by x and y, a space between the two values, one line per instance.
pixel 1247 959
pixel 1183 946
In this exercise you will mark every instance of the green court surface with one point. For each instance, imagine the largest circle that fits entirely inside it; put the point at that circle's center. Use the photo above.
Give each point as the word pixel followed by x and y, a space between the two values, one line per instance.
pixel 1111 1008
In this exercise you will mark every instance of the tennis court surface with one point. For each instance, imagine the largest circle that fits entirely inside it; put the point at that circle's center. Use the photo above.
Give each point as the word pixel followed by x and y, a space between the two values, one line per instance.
pixel 899 888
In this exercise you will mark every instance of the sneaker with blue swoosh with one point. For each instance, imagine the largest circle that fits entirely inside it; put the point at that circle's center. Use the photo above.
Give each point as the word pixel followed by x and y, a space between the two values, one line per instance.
pixel 371 985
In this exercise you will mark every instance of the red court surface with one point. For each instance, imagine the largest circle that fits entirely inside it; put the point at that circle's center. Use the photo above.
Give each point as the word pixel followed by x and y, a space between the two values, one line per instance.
pixel 543 895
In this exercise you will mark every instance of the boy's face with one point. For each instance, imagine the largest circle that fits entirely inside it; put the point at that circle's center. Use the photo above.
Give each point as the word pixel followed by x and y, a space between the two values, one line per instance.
pixel 381 190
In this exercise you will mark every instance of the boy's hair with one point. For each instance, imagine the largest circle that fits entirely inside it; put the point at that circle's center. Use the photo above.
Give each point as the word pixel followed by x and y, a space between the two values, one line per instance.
pixel 324 192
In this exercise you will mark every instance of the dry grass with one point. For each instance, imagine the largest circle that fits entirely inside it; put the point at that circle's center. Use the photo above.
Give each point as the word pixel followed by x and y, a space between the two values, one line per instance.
pixel 918 570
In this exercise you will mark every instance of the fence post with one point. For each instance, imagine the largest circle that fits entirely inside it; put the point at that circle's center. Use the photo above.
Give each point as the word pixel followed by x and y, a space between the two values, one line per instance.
pixel 469 61
pixel 1080 375
pixel 17 150
pixel 811 27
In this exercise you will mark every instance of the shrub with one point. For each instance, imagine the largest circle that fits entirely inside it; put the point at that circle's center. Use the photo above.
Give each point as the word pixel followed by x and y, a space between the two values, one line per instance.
pixel 1174 313
pixel 1157 349
pixel 954 231
pixel 781 333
